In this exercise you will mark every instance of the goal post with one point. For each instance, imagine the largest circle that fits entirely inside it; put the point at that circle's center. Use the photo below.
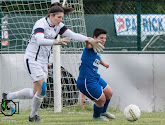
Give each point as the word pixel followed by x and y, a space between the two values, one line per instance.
pixel 57 74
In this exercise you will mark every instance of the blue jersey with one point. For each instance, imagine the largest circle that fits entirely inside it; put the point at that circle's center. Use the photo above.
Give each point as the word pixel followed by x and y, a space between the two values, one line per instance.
pixel 89 64
pixel 89 81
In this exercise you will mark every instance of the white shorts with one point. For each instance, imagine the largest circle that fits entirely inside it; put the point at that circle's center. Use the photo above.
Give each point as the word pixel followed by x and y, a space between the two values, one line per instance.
pixel 36 70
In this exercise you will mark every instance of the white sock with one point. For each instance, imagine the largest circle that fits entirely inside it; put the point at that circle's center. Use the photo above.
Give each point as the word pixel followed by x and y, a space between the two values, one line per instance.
pixel 26 93
pixel 36 103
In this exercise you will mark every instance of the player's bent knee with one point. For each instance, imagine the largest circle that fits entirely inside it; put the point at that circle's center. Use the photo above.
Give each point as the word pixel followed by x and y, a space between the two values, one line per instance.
pixel 110 94
pixel 43 91
pixel 101 101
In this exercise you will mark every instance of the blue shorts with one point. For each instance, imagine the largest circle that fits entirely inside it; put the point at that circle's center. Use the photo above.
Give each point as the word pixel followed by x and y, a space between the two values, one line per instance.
pixel 92 88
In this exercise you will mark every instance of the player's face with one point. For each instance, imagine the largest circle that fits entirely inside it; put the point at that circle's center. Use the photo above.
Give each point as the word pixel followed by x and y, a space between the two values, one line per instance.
pixel 57 18
pixel 102 38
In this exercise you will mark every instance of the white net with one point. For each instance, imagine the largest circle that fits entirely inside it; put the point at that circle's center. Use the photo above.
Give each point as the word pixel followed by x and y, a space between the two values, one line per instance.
pixel 17 20
pixel 156 43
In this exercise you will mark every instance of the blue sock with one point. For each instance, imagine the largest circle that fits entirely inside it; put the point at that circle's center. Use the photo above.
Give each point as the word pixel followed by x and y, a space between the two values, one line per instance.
pixel 97 111
pixel 106 106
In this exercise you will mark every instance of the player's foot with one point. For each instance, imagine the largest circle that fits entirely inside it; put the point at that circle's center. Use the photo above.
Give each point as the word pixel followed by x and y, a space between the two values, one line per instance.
pixel 36 118
pixel 108 115
pixel 101 118
pixel 4 95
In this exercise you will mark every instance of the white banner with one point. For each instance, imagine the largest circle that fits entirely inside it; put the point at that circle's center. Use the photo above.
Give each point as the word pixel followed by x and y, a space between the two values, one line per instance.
pixel 151 24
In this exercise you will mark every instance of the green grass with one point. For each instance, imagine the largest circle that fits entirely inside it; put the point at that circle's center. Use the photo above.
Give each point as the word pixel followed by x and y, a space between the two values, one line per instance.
pixel 79 115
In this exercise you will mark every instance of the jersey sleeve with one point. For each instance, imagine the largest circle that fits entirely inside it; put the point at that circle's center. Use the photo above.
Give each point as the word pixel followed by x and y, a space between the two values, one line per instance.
pixel 42 41
pixel 75 36
pixel 64 31
pixel 38 32
pixel 63 28
pixel 38 28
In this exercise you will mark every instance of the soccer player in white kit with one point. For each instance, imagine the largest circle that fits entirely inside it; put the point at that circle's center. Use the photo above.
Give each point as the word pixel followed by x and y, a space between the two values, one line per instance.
pixel 37 54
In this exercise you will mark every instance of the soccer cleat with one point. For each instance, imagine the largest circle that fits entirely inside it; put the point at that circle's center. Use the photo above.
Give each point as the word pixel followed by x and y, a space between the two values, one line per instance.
pixel 108 115
pixel 101 118
pixel 4 95
pixel 36 118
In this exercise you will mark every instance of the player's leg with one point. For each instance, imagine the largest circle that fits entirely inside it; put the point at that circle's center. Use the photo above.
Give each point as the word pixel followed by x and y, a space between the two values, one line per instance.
pixel 108 94
pixel 34 89
pixel 98 108
pixel 37 100
pixel 38 73
pixel 26 93
pixel 91 89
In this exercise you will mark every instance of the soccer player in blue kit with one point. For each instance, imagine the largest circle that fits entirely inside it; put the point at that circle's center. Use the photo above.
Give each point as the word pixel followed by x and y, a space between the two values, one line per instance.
pixel 89 81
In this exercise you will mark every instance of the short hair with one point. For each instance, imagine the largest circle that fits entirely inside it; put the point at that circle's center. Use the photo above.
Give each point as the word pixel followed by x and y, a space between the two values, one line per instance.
pixel 99 31
pixel 57 7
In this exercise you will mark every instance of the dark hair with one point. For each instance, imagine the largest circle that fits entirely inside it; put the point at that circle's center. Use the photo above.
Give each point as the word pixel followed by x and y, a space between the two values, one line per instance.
pixel 57 7
pixel 99 31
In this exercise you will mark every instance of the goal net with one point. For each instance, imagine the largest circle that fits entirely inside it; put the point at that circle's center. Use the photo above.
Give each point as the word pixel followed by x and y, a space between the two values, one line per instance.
pixel 156 43
pixel 17 18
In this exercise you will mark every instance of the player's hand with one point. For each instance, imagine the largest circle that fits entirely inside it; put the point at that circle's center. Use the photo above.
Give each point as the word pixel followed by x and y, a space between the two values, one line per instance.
pixel 62 41
pixel 65 40
pixel 96 44
pixel 88 45
pixel 106 65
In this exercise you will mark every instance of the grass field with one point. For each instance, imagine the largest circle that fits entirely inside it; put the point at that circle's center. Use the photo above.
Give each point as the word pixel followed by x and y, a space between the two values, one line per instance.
pixel 79 115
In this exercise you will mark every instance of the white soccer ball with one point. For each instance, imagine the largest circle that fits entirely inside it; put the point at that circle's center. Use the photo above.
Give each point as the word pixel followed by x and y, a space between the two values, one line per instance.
pixel 132 112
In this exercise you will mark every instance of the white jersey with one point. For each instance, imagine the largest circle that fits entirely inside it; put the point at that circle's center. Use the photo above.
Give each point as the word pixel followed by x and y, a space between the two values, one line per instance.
pixel 43 28
pixel 40 45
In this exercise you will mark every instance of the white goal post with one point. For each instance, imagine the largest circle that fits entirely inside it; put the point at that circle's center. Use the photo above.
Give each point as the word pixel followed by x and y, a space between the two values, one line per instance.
pixel 57 74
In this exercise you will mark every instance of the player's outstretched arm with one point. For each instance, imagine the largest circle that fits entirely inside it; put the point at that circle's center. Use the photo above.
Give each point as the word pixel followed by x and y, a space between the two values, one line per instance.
pixel 96 45
pixel 48 42
pixel 104 64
